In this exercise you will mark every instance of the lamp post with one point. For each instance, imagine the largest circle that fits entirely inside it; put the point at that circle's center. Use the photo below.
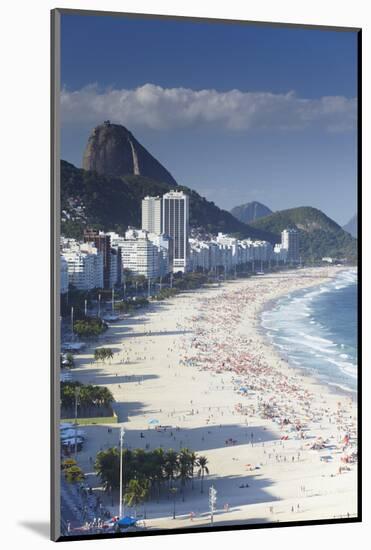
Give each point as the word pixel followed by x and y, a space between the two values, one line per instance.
pixel 113 300
pixel 99 298
pixel 173 490
pixel 77 392
pixel 72 319
pixel 86 308
pixel 212 501
pixel 122 432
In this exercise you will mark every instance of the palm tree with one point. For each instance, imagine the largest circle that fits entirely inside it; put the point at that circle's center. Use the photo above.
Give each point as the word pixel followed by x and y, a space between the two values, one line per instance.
pixel 107 468
pixel 74 474
pixel 202 463
pixel 136 493
pixel 184 463
pixel 157 465
pixel 193 462
pixel 171 465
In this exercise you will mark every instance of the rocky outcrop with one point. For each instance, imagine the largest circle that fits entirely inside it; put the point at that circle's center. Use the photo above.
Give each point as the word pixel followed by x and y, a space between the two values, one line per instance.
pixel 250 211
pixel 113 151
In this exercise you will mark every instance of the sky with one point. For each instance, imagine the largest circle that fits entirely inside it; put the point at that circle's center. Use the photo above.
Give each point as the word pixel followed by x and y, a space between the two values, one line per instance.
pixel 237 112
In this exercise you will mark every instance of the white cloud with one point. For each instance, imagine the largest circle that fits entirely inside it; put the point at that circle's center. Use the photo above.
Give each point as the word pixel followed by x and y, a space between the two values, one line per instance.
pixel 156 107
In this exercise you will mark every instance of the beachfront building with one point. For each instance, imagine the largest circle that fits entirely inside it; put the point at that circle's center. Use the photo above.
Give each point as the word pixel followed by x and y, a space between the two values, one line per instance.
pixel 200 255
pixel 115 268
pixel 263 251
pixel 84 265
pixel 290 242
pixel 229 247
pixel 64 276
pixel 162 244
pixel 175 224
pixel 152 215
pixel 139 254
pixel 228 252
pixel 279 253
pixel 112 262
pixel 102 242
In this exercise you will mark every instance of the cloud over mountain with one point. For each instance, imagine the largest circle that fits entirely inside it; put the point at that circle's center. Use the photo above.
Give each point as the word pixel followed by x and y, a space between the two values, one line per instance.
pixel 155 107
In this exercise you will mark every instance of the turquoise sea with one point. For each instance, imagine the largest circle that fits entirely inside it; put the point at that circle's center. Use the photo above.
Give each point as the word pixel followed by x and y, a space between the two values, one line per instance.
pixel 316 330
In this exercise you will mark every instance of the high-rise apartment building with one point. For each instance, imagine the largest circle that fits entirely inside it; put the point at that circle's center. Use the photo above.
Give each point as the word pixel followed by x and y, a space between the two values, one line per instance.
pixel 152 214
pixel 84 265
pixel 139 255
pixel 175 223
pixel 290 242
pixel 102 242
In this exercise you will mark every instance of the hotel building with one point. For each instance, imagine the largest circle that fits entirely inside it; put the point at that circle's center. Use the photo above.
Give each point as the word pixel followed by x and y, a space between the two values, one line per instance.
pixel 290 242
pixel 175 223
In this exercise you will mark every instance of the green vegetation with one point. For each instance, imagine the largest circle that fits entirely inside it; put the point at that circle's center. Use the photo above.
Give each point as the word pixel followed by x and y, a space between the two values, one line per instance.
pixel 136 493
pixel 90 399
pixel 166 293
pixel 89 326
pixel 187 281
pixel 319 235
pixel 94 420
pixel 124 307
pixel 190 281
pixel 114 203
pixel 202 463
pixel 71 471
pixel 75 298
pixel 101 354
pixel 67 361
pixel 158 468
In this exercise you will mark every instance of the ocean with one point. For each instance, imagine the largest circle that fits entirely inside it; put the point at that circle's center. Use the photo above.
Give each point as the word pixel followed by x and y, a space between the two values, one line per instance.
pixel 316 330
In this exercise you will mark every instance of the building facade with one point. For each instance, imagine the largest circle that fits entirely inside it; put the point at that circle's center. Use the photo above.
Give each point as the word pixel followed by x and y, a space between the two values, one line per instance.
pixel 64 276
pixel 84 266
pixel 290 242
pixel 152 215
pixel 102 242
pixel 175 216
pixel 139 255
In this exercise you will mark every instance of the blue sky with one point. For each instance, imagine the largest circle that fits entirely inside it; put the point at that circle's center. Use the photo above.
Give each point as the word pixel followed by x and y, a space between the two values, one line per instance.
pixel 237 112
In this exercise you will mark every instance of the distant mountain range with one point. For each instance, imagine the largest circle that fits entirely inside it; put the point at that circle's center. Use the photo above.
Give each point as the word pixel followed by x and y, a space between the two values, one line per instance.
pixel 352 226
pixel 119 172
pixel 319 235
pixel 250 211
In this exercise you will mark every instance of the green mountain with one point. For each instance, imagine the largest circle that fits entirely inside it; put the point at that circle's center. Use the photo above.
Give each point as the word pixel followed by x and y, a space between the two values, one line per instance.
pixel 250 211
pixel 352 226
pixel 319 235
pixel 112 203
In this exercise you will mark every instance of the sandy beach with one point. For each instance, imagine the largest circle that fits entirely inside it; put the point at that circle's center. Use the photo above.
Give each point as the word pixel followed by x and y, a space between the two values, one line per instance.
pixel 201 365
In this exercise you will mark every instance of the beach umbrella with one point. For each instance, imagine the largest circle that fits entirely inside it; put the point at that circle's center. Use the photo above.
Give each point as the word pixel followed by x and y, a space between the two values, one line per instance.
pixel 153 421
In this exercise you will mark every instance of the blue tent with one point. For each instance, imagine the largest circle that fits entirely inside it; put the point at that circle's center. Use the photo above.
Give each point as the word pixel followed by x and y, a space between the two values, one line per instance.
pixel 126 521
